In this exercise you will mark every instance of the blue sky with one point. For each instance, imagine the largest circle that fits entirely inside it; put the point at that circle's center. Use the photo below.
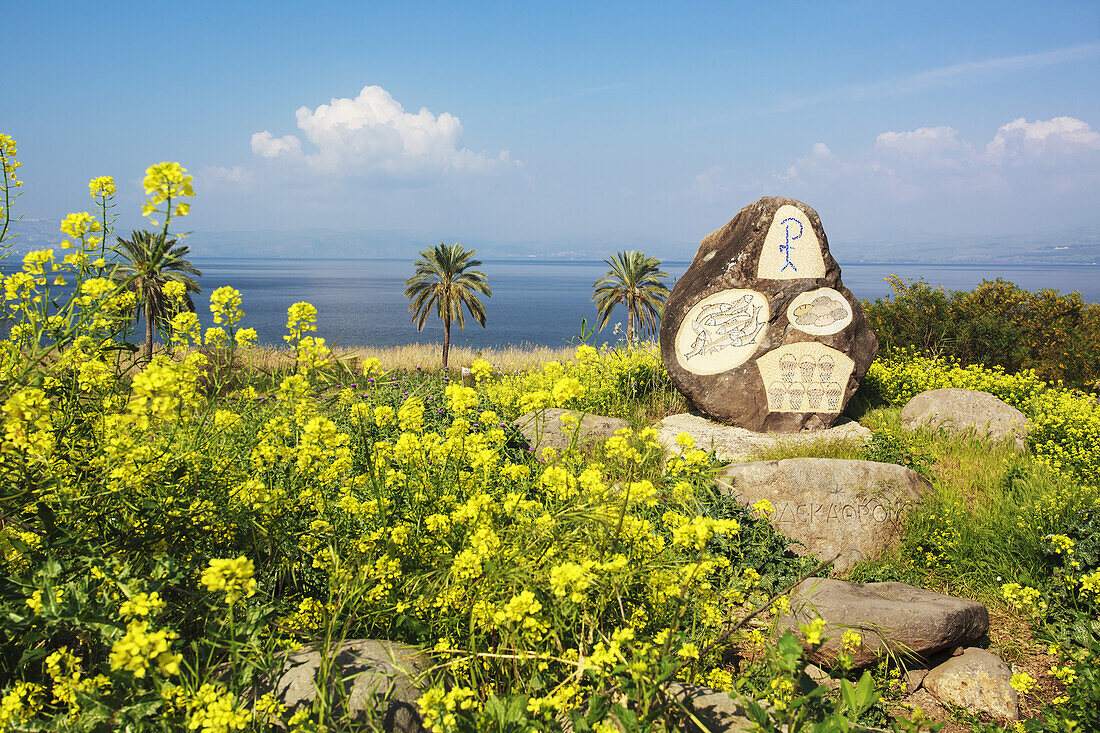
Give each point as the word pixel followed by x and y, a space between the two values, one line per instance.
pixel 567 123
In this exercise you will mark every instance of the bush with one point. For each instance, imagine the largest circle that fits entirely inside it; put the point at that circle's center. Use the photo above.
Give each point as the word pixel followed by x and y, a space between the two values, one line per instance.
pixel 996 325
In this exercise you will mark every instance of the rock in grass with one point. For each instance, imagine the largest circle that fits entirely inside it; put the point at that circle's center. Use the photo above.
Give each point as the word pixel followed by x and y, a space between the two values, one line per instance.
pixel 835 508
pixel 716 710
pixel 720 713
pixel 545 429
pixel 978 681
pixel 894 617
pixel 963 410
pixel 377 679
pixel 731 443
pixel 760 331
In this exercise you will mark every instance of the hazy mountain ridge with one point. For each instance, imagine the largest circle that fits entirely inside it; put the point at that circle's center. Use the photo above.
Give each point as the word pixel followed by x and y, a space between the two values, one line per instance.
pixel 1080 247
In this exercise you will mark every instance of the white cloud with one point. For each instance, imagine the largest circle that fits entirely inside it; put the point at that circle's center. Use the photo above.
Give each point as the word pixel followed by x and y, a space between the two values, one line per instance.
pixel 710 184
pixel 1022 141
pixel 373 136
pixel 269 146
pixel 924 141
pixel 820 161
pixel 1026 172
pixel 235 174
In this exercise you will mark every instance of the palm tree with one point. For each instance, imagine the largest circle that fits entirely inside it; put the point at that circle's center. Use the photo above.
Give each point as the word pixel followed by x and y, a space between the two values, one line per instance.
pixel 633 280
pixel 149 262
pixel 443 283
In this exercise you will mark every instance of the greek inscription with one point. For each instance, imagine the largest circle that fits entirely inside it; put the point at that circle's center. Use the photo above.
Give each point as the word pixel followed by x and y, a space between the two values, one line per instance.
pixel 814 513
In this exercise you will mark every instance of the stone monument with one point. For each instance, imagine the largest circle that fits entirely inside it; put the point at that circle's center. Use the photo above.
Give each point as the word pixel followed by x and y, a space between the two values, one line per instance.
pixel 760 331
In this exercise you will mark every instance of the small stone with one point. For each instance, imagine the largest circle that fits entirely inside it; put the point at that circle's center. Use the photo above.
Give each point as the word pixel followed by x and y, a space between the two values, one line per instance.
pixel 962 410
pixel 731 443
pixel 978 681
pixel 544 428
pixel 378 679
pixel 894 616
pixel 821 677
pixel 835 508
pixel 760 331
pixel 914 678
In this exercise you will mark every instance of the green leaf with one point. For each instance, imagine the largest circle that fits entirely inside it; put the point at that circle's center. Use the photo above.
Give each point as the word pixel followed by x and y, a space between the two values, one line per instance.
pixel 790 650
pixel 628 718
pixel 597 708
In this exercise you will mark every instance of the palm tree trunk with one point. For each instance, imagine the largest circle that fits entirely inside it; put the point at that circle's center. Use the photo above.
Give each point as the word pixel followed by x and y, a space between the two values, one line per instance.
pixel 148 328
pixel 629 321
pixel 446 340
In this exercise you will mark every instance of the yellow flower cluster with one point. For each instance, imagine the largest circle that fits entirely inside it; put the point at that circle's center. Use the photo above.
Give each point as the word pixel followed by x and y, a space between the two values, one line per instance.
pixel 79 225
pixel 604 382
pixel 102 187
pixel 225 305
pixel 139 648
pixel 812 631
pixel 460 399
pixel 301 318
pixel 481 369
pixel 64 668
pixel 143 604
pixel 21 702
pixel 1022 682
pixel 696 531
pixel 1024 599
pixel 166 183
pixel 232 575
pixel 214 709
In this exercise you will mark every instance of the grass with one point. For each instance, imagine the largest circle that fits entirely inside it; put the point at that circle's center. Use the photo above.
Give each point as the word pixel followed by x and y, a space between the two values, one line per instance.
pixel 427 357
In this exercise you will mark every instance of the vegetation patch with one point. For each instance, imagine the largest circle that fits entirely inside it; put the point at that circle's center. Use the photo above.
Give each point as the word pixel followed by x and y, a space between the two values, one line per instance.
pixel 173 523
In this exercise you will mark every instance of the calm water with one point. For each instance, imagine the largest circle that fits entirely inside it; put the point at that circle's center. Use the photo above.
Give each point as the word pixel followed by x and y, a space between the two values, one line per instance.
pixel 362 302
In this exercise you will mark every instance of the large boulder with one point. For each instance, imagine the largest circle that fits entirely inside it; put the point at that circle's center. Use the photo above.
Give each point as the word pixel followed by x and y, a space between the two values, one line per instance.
pixel 835 508
pixel 545 429
pixel 378 679
pixel 760 332
pixel 978 681
pixel 963 410
pixel 894 617
pixel 731 443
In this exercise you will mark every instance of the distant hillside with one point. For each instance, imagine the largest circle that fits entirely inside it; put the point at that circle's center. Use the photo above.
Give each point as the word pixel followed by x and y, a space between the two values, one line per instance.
pixel 1074 247
pixel 1081 247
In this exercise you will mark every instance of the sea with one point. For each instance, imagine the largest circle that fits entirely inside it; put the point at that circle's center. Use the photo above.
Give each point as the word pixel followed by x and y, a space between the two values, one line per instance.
pixel 534 302
pixel 543 301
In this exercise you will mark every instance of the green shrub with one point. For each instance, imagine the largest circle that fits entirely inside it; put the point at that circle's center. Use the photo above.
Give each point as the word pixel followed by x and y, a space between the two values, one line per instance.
pixel 997 325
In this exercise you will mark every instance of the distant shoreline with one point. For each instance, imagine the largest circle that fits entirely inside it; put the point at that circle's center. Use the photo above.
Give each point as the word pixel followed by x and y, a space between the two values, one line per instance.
pixel 596 261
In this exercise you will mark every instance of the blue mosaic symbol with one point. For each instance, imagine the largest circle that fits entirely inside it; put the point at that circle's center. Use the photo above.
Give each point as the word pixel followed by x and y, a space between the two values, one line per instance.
pixel 787 248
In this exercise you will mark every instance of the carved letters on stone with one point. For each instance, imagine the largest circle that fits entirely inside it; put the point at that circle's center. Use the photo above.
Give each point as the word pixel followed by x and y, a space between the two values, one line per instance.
pixel 812 513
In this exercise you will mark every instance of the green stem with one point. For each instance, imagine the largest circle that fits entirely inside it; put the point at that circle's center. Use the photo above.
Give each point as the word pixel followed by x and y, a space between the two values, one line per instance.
pixel 7 210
